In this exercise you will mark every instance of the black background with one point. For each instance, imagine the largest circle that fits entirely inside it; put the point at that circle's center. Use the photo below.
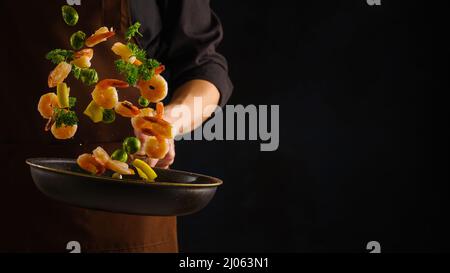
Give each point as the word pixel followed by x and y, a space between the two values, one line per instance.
pixel 358 157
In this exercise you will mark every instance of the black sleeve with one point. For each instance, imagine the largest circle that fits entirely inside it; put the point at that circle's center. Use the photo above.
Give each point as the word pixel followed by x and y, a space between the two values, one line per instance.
pixel 191 34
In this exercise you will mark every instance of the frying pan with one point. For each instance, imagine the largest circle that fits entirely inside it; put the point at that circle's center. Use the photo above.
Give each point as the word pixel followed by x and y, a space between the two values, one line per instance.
pixel 175 193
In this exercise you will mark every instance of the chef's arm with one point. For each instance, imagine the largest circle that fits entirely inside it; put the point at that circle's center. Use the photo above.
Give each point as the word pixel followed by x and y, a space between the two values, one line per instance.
pixel 192 103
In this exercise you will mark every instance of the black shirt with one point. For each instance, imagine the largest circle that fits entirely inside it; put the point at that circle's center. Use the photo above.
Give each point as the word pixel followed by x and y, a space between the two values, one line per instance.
pixel 184 36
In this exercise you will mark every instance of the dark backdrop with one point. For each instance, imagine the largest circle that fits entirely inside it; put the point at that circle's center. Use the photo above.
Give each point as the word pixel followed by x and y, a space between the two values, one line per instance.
pixel 355 85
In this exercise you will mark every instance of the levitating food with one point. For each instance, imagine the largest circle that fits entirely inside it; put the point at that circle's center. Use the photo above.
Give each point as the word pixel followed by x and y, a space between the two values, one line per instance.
pixel 105 93
pixel 139 71
pixel 64 131
pixel 127 109
pixel 46 105
pixel 83 58
pixel 131 145
pixel 125 53
pixel 59 74
pixel 62 122
pixel 65 124
pixel 154 90
pixel 156 147
pixel 70 15
pixel 101 35
pixel 77 40
pixel 91 164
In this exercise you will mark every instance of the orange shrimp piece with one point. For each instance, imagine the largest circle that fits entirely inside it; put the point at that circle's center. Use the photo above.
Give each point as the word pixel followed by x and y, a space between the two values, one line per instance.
pixel 119 167
pixel 83 58
pixel 160 69
pixel 87 52
pixel 155 89
pixel 101 155
pixel 127 109
pixel 64 131
pixel 101 35
pixel 156 147
pixel 157 127
pixel 160 110
pixel 105 93
pixel 46 105
pixel 90 164
pixel 59 74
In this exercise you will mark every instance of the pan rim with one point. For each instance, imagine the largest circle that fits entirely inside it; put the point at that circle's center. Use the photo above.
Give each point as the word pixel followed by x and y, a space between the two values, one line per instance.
pixel 217 182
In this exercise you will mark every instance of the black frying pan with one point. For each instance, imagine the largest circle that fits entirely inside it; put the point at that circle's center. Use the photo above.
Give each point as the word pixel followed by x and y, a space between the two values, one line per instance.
pixel 175 193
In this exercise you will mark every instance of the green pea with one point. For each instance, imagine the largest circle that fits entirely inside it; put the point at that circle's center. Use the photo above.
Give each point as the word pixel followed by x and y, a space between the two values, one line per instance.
pixel 70 15
pixel 132 145
pixel 143 102
pixel 77 40
pixel 109 116
pixel 120 155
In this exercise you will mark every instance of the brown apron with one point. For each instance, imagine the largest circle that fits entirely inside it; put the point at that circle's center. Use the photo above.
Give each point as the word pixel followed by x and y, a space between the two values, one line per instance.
pixel 30 221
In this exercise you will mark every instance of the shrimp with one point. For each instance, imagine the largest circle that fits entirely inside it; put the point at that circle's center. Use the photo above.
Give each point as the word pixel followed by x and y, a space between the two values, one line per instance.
pixel 101 35
pixel 160 110
pixel 119 167
pixel 160 69
pixel 155 127
pixel 59 74
pixel 155 89
pixel 137 122
pixel 127 109
pixel 156 147
pixel 101 155
pixel 46 105
pixel 90 164
pixel 105 93
pixel 83 58
pixel 87 52
pixel 64 131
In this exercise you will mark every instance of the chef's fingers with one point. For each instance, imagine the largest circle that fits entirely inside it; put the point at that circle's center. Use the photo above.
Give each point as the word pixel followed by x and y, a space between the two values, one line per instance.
pixel 152 162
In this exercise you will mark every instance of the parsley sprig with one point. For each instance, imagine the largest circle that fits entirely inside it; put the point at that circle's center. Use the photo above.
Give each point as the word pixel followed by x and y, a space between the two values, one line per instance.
pixel 132 31
pixel 134 73
pixel 65 117
pixel 57 56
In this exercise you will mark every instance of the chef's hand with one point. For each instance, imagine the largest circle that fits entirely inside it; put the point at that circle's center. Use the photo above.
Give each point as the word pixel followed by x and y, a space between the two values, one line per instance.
pixel 168 160
pixel 164 163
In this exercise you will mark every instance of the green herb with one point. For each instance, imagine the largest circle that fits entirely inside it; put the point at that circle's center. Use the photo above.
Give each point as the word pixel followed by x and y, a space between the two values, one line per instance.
pixel 140 54
pixel 77 40
pixel 87 76
pixel 130 71
pixel 65 117
pixel 134 73
pixel 57 56
pixel 70 15
pixel 72 102
pixel 132 31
